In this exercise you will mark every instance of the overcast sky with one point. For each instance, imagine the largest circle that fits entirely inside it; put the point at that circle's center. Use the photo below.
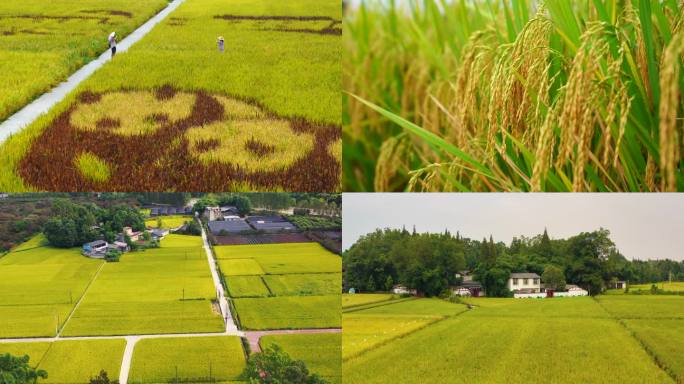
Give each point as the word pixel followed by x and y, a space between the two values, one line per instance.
pixel 643 226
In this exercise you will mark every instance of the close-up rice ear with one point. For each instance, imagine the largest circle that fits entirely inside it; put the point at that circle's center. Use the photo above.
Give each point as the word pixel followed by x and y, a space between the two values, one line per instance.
pixel 535 95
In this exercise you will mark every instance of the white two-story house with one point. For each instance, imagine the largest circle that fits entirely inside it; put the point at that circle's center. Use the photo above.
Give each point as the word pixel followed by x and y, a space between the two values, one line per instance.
pixel 524 282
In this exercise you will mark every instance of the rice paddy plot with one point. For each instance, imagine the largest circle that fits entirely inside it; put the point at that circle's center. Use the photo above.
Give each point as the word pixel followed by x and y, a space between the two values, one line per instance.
pixel 352 300
pixel 320 352
pixel 674 286
pixel 289 312
pixel 240 267
pixel 644 306
pixel 167 222
pixel 487 348
pixel 271 122
pixel 71 361
pixel 39 286
pixel 160 290
pixel 41 46
pixel 285 258
pixel 369 328
pixel 663 338
pixel 304 284
pixel 247 286
pixel 187 359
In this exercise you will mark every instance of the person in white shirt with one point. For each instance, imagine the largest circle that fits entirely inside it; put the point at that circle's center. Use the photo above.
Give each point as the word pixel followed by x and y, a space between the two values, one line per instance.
pixel 112 43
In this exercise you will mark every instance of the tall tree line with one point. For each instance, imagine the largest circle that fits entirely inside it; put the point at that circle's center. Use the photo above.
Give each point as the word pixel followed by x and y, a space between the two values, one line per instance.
pixel 430 262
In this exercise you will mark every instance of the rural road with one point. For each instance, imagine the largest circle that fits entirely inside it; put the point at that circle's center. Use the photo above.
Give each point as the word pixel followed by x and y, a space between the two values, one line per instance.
pixel 44 103
pixel 223 301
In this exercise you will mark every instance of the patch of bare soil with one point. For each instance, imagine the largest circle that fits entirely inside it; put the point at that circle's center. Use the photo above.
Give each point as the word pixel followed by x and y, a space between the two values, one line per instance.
pixel 161 160
pixel 330 29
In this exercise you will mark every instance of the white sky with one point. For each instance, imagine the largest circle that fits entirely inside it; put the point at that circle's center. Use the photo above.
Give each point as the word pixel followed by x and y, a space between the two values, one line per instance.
pixel 643 226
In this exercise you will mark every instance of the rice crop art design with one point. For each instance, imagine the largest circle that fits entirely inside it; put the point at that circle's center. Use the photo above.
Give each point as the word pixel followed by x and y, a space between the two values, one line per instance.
pixel 514 95
pixel 321 25
pixel 192 141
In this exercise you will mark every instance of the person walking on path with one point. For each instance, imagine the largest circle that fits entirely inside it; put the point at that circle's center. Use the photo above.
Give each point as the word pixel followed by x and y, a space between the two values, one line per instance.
pixel 220 44
pixel 112 43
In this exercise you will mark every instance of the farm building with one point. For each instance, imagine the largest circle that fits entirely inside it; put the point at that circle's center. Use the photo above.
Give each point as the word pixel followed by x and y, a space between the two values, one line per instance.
pixel 525 282
pixel 617 285
pixel 158 233
pixel 98 248
pixel 469 288
pixel 128 231
pixel 402 290
pixel 213 213
pixel 165 211
pixel 231 226
pixel 229 210
pixel 270 223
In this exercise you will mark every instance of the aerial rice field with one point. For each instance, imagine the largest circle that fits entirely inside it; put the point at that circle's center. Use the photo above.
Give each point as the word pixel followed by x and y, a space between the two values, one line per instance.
pixel 289 312
pixel 161 290
pixel 167 222
pixel 283 258
pixel 41 46
pixel 320 352
pixel 71 361
pixel 519 95
pixel 282 285
pixel 188 359
pixel 39 287
pixel 484 344
pixel 173 113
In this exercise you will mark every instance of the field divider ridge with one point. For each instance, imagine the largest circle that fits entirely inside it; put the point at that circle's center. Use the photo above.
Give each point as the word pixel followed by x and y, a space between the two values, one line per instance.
pixel 85 291
pixel 40 106
pixel 654 356
pixel 362 307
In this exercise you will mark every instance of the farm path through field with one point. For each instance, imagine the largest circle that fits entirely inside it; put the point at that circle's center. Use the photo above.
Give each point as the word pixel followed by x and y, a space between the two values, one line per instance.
pixel 223 301
pixel 44 103
pixel 253 337
pixel 73 310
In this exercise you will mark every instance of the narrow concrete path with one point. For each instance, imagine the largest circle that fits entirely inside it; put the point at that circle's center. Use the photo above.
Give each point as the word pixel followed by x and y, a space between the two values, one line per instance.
pixel 253 337
pixel 127 359
pixel 44 103
pixel 220 292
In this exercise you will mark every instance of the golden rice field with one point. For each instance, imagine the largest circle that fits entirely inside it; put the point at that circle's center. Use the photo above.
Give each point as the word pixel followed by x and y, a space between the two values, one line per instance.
pixel 174 113
pixel 514 95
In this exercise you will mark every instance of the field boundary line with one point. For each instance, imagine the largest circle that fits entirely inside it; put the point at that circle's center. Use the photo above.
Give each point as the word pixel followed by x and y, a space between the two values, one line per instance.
pixel 403 335
pixel 85 291
pixel 44 103
pixel 654 356
pixel 376 304
pixel 263 281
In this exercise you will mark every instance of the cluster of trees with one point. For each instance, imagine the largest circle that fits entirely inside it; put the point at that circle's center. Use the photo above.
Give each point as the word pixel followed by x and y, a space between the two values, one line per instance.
pixel 75 224
pixel 429 262
pixel 240 201
pixel 275 366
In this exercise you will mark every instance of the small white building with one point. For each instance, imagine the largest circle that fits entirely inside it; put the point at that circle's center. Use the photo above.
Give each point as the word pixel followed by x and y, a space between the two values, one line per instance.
pixel 402 290
pixel 617 285
pixel 213 213
pixel 525 282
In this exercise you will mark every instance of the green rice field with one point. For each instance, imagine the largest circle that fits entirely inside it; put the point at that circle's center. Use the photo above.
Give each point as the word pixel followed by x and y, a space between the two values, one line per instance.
pixel 193 359
pixel 354 300
pixel 174 113
pixel 41 46
pixel 71 362
pixel 484 344
pixel 167 222
pixel 282 286
pixel 162 290
pixel 39 287
pixel 320 352
pixel 664 285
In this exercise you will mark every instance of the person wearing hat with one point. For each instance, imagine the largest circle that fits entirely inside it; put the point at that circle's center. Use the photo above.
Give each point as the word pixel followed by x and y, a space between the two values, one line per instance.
pixel 220 44
pixel 112 43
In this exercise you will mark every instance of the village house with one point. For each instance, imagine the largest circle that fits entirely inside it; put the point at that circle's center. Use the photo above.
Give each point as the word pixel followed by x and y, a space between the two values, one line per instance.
pixel 525 282
pixel 158 233
pixel 469 287
pixel 617 285
pixel 403 290
pixel 213 213
pixel 98 249
pixel 128 231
